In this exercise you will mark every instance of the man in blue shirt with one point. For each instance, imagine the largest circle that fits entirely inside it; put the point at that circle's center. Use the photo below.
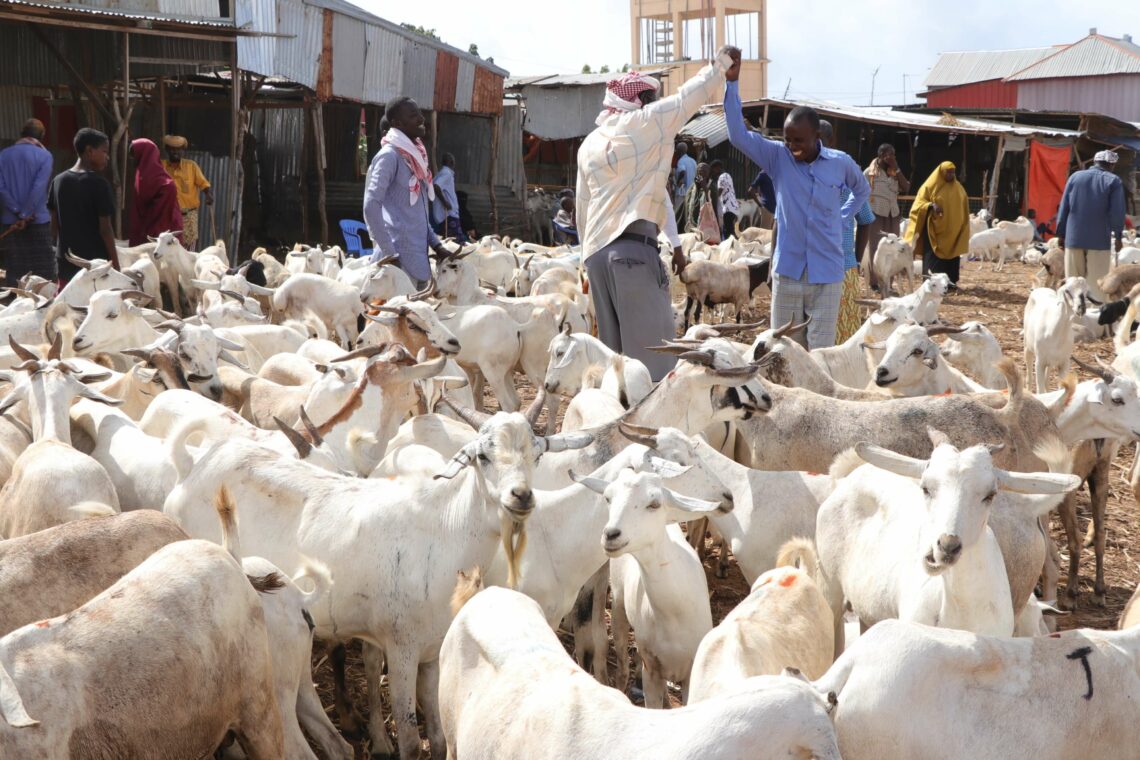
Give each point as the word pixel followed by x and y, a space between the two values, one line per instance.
pixel 1092 211
pixel 809 179
pixel 25 173
pixel 399 192
pixel 446 208
pixel 684 173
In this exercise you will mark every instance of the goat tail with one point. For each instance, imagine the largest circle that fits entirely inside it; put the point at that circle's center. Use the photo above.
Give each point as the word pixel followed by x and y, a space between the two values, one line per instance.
pixel 1056 456
pixel 1014 381
pixel 1124 329
pixel 319 574
pixel 176 450
pixel 86 510
pixel 1069 387
pixel 467 584
pixel 617 361
pixel 800 553
pixel 227 514
pixel 845 463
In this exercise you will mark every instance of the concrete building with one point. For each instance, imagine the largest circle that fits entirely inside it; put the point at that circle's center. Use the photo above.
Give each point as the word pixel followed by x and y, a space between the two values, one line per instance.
pixel 687 33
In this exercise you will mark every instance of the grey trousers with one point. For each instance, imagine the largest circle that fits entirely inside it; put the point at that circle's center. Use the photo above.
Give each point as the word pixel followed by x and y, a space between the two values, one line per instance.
pixel 630 288
pixel 798 299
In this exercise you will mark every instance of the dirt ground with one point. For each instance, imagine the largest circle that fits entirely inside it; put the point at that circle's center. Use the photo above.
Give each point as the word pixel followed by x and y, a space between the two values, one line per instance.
pixel 997 299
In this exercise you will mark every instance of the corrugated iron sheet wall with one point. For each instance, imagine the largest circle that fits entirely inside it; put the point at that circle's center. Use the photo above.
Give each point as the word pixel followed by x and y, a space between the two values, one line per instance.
pixel 190 8
pixel 279 132
pixel 446 76
pixel 217 171
pixel 15 109
pixel 993 94
pixel 296 57
pixel 28 62
pixel 509 166
pixel 464 86
pixel 559 113
pixel 1117 96
pixel 469 139
pixel 256 53
pixel 152 46
pixel 348 48
pixel 383 65
pixel 487 96
pixel 419 73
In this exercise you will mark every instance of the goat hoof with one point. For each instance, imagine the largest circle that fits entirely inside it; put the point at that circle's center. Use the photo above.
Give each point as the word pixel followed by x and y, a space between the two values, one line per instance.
pixel 722 572
pixel 1098 598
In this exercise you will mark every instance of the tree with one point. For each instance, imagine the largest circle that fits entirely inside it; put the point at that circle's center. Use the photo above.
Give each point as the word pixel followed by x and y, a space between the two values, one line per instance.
pixel 605 69
pixel 625 68
pixel 586 69
pixel 420 30
pixel 473 49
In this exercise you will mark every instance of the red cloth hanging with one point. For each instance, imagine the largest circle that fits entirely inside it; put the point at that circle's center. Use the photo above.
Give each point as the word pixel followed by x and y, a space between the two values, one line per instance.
pixel 1048 172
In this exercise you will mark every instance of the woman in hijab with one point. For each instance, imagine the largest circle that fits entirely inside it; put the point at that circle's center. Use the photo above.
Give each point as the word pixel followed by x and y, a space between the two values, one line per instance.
pixel 155 208
pixel 939 226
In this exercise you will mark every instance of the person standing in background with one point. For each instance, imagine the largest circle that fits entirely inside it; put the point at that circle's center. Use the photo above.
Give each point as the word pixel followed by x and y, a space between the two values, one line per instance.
pixel 698 193
pixel 1091 214
pixel 887 182
pixel 446 206
pixel 939 226
pixel 190 183
pixel 684 173
pixel 399 193
pixel 808 269
pixel 81 204
pixel 25 173
pixel 729 205
pixel 155 208
pixel 622 205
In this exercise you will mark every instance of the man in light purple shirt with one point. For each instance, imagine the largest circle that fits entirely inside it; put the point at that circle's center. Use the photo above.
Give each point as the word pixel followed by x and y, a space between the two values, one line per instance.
pixel 25 172
pixel 397 225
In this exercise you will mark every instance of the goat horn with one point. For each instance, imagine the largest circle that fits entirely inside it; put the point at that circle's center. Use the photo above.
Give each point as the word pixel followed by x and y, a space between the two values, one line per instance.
pixel 139 353
pixel 81 263
pixel 56 348
pixel 783 329
pixel 1105 374
pixel 535 408
pixel 31 365
pixel 879 346
pixel 697 357
pixel 729 327
pixel 231 294
pixel 386 261
pixel 637 434
pixel 22 352
pixel 944 330
pixel 470 416
pixel 420 295
pixel 869 302
pixel 20 292
pixel 310 428
pixel 125 294
pixel 299 441
pixel 400 310
pixel 364 353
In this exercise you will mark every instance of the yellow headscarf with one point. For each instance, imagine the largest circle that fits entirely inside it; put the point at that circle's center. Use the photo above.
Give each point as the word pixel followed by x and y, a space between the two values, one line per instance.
pixel 948 234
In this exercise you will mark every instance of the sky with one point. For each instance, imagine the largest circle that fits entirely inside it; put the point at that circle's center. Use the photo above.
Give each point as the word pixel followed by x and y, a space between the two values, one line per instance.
pixel 829 49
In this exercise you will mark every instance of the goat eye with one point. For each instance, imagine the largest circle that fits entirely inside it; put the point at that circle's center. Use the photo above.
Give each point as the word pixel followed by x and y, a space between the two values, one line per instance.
pixel 990 497
pixel 1118 400
pixel 484 458
pixel 926 492
pixel 654 505
pixel 916 352
pixel 113 315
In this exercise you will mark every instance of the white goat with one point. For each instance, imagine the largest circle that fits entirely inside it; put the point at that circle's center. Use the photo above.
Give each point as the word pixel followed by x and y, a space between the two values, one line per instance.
pixel 974 350
pixel 912 364
pixel 572 354
pixel 1049 330
pixel 893 257
pixel 709 283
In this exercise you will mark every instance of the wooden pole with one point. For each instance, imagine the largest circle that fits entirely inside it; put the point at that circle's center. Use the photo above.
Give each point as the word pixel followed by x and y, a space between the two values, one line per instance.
pixel 306 159
pixel 124 127
pixel 234 200
pixel 319 150
pixel 491 173
pixel 162 106
pixel 996 175
pixel 435 141
pixel 1025 185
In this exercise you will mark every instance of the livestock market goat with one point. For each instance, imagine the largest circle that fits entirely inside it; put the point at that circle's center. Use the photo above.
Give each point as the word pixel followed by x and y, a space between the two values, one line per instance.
pixel 508 690
pixel 893 257
pixel 709 283
pixel 1049 330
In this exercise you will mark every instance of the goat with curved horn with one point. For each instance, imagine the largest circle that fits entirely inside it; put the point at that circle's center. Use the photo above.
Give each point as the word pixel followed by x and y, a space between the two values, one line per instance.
pixel 21 352
pixel 944 330
pixel 646 436
pixel 420 295
pixel 791 328
pixel 364 353
pixel 75 260
pixel 1104 373
pixel 535 409
pixel 472 417
pixel 310 428
pixel 732 327
pixel 300 443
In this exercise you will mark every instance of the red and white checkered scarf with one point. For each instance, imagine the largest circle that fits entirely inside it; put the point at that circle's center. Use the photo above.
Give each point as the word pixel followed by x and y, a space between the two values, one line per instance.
pixel 416 157
pixel 622 92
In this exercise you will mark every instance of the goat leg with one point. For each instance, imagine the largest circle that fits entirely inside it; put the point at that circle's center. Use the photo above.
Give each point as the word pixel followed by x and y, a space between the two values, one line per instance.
pixel 350 721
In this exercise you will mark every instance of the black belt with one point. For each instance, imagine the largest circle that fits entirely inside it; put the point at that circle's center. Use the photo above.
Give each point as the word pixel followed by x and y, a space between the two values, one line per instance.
pixel 644 239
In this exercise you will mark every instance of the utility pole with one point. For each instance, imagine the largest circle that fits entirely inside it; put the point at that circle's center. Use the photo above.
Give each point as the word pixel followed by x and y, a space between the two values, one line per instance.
pixel 873 75
pixel 788 87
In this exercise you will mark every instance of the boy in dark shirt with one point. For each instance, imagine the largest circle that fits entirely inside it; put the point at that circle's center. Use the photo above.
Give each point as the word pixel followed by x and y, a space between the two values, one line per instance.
pixel 81 204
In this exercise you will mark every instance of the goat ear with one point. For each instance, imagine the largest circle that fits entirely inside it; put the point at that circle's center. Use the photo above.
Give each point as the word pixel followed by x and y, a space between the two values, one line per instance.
pixel 597 485
pixel 229 344
pixel 461 459
pixel 885 459
pixel 937 437
pixel 12 399
pixel 565 442
pixel 226 356
pixel 688 504
pixel 664 467
pixel 930 359
pixel 1045 483
pixel 95 395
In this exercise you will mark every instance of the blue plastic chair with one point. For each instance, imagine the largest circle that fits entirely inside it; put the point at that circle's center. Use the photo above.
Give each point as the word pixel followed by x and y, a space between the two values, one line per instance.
pixel 351 230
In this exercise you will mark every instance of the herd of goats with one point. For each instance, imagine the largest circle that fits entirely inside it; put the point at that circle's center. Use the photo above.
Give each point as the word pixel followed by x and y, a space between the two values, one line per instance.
pixel 298 448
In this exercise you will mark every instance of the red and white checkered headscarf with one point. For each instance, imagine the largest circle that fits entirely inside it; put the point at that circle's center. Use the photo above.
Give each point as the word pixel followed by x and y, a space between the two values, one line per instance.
pixel 622 92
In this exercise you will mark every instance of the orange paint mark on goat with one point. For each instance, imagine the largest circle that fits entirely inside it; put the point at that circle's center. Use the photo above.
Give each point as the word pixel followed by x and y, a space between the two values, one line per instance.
pixel 788 580
pixel 814 474
pixel 765 582
pixel 944 393
pixel 43 624
pixel 1054 635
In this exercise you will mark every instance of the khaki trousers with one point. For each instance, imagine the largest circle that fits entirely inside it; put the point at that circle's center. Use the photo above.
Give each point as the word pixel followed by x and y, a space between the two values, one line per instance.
pixel 1090 264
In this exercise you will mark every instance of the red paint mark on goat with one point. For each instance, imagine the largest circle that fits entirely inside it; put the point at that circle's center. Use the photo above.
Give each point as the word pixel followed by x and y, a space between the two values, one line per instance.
pixel 43 624
pixel 815 474
pixel 765 582
pixel 788 580
pixel 1054 635
pixel 945 392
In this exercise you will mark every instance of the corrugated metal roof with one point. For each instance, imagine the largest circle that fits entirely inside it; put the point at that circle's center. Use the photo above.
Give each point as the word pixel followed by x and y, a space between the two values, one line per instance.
pixel 1095 55
pixel 446 77
pixel 464 86
pixel 348 9
pixel 383 65
pixel 708 126
pixel 348 50
pixel 419 73
pixel 982 65
pixel 576 80
pixel 176 20
pixel 296 57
